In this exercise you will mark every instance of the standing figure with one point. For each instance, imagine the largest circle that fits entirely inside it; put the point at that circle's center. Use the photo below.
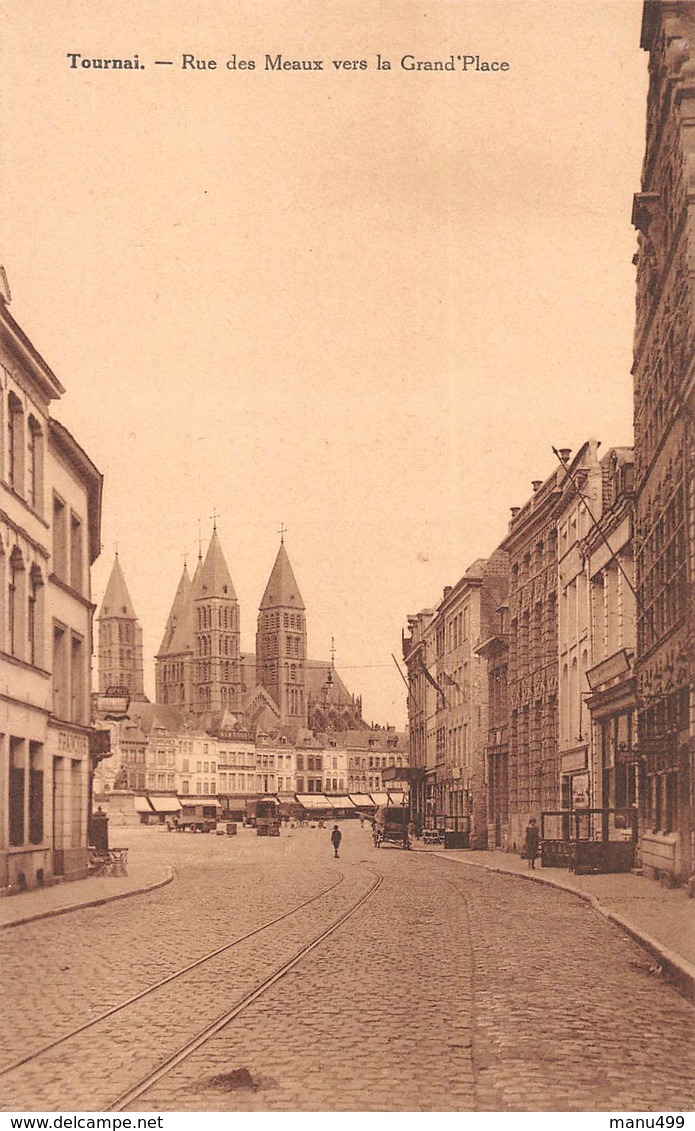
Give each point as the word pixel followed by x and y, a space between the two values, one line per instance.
pixel 336 837
pixel 531 842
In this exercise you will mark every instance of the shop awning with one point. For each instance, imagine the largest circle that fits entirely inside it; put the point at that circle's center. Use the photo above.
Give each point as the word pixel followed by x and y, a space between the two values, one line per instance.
pixel 341 802
pixel 165 804
pixel 362 800
pixel 142 805
pixel 398 798
pixel 313 801
pixel 380 798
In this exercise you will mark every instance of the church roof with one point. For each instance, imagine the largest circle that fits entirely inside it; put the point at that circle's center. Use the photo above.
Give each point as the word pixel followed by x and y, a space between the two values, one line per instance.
pixel 177 613
pixel 117 602
pixel 316 672
pixel 282 589
pixel 214 579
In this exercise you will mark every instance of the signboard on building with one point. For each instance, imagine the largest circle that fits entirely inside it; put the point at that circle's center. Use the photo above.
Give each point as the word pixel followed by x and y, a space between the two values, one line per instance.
pixel 574 760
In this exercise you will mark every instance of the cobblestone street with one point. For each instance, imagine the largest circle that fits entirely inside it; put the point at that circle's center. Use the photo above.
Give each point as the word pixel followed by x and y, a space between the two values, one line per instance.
pixel 449 989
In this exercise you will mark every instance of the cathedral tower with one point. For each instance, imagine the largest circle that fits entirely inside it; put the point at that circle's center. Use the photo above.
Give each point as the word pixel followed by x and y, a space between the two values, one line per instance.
pixel 216 635
pixel 120 639
pixel 281 642
pixel 174 661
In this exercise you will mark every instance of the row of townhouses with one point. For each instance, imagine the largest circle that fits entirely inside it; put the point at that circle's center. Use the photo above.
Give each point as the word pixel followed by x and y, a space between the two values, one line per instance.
pixel 555 679
pixel 50 514
pixel 154 766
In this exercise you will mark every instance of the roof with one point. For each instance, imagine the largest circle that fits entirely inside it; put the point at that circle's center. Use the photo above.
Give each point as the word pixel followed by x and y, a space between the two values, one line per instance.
pixel 117 602
pixel 371 741
pixel 282 589
pixel 156 716
pixel 315 674
pixel 214 579
pixel 177 613
pixel 29 356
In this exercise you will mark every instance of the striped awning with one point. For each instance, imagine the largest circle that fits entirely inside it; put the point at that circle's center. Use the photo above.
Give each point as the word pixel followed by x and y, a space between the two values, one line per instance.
pixel 362 800
pixel 165 804
pixel 313 801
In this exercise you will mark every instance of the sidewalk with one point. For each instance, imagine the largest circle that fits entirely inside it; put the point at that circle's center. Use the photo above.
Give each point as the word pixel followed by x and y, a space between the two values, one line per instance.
pixel 661 919
pixel 42 903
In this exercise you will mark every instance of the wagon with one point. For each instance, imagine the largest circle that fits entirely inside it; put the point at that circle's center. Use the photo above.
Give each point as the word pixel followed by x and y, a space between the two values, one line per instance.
pixel 391 826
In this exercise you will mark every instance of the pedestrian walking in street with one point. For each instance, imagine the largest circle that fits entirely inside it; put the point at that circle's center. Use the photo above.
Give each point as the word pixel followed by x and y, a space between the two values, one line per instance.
pixel 531 843
pixel 336 837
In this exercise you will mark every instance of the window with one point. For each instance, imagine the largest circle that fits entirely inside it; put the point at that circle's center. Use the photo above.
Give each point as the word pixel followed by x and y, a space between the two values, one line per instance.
pixel 199 787
pixel 60 539
pixel 16 791
pixel 78 676
pixel 35 466
pixel 16 609
pixel 185 786
pixel 61 677
pixel 15 443
pixel 76 554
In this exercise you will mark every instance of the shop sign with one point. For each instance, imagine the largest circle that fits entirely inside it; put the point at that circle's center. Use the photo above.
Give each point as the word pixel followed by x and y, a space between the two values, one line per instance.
pixel 70 743
pixel 609 669
pixel 573 761
pixel 580 791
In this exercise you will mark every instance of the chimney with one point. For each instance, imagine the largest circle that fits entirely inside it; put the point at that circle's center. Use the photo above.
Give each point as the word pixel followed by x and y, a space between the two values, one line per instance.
pixel 565 454
pixel 447 591
pixel 515 511
pixel 536 484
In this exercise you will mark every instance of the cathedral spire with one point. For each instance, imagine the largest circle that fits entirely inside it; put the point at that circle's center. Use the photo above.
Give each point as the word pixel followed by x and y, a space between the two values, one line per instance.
pixel 120 638
pixel 282 589
pixel 214 579
pixel 117 602
pixel 178 610
pixel 281 641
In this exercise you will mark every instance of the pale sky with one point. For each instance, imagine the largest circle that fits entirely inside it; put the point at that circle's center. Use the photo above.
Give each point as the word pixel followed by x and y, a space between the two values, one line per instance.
pixel 361 303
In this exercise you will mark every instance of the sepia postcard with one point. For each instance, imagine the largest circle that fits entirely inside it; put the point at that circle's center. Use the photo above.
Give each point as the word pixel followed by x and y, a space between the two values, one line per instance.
pixel 347 561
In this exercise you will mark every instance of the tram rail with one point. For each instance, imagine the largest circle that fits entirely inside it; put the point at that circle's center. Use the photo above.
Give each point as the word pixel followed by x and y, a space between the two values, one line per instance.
pixel 78 1030
pixel 217 1023
pixel 137 1090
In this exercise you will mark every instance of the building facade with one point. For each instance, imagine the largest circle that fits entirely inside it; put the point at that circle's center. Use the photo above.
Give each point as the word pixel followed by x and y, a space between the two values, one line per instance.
pixel 50 513
pixel 576 512
pixel 615 766
pixel 448 700
pixel 494 650
pixel 664 404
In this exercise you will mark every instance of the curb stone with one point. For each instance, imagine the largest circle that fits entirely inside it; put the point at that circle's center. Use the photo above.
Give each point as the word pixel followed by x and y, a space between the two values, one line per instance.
pixel 168 877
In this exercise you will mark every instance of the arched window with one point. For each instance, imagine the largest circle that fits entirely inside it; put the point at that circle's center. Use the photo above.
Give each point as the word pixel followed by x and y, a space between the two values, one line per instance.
pixel 35 465
pixel 15 443
pixel 16 594
pixel 35 616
